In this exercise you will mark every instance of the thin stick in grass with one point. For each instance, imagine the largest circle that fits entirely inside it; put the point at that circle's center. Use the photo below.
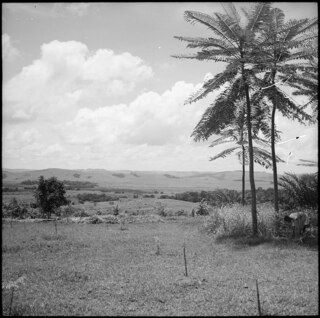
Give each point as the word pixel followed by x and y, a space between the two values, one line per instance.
pixel 56 226
pixel 11 301
pixel 185 259
pixel 258 299
pixel 158 245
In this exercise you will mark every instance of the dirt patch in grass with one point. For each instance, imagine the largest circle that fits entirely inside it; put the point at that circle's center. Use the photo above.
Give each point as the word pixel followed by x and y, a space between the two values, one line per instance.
pixel 97 269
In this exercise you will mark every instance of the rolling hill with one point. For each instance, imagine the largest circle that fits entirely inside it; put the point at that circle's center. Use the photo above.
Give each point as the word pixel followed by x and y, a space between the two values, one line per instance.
pixel 144 180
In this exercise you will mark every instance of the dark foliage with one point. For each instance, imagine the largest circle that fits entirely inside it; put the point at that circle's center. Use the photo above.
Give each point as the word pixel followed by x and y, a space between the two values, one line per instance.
pixel 50 195
pixel 95 197
pixel 299 191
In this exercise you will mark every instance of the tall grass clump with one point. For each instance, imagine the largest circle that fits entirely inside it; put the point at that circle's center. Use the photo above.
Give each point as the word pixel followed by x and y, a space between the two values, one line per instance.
pixel 234 221
pixel 299 191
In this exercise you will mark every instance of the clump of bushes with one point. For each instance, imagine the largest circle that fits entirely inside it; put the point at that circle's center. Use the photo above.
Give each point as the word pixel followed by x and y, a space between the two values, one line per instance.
pixel 80 213
pixel 298 191
pixel 14 210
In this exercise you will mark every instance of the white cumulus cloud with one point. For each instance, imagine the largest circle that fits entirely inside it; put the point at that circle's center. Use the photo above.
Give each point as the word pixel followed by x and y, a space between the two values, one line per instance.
pixel 67 76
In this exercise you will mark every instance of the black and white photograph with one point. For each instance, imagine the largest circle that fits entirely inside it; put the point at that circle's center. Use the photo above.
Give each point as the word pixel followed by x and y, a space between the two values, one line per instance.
pixel 160 159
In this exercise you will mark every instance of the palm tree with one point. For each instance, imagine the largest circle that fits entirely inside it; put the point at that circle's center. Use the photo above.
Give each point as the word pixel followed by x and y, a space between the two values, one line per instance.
pixel 232 44
pixel 279 50
pixel 237 134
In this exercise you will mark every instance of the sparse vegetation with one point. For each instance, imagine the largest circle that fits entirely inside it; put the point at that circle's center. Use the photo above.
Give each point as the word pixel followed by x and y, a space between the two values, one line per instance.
pixel 85 259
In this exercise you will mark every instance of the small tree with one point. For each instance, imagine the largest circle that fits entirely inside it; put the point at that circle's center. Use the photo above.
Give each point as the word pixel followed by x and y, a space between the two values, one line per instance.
pixel 50 194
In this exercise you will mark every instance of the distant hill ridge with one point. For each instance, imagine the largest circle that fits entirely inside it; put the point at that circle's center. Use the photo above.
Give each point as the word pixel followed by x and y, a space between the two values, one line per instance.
pixel 184 180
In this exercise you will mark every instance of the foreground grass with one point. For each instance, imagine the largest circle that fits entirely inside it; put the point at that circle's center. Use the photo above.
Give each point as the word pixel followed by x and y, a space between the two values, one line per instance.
pixel 97 269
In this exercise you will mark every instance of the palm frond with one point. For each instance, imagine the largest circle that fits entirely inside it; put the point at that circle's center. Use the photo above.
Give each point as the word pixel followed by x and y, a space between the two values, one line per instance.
pixel 259 13
pixel 224 153
pixel 221 140
pixel 231 11
pixel 228 26
pixel 229 75
pixel 206 43
pixel 209 21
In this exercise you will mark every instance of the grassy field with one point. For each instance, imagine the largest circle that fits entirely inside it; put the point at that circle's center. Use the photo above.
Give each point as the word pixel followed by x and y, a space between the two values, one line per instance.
pixel 98 269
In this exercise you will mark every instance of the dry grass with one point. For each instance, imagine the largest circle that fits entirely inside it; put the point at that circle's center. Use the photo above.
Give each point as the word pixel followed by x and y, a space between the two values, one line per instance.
pixel 234 223
pixel 97 269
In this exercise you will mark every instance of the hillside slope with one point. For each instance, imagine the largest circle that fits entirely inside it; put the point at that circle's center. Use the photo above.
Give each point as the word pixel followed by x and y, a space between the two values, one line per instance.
pixel 160 180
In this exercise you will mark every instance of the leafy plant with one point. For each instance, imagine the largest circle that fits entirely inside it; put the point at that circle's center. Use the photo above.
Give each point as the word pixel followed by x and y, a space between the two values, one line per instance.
pixel 203 208
pixel 50 194
pixel 299 190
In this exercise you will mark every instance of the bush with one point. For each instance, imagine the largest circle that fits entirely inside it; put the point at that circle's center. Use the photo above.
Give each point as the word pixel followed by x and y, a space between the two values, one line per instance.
pixel 299 191
pixel 14 210
pixel 161 211
pixel 110 219
pixel 34 214
pixel 94 220
pixel 203 208
pixel 116 210
pixel 81 213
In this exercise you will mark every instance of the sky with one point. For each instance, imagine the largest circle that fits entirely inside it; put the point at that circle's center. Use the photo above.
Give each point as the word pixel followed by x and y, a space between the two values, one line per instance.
pixel 94 85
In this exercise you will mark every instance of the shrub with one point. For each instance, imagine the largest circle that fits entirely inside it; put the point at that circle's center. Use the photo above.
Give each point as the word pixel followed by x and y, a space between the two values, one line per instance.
pixel 94 220
pixel 161 211
pixel 69 210
pixel 14 210
pixel 299 191
pixel 34 214
pixel 116 210
pixel 110 219
pixel 80 213
pixel 203 208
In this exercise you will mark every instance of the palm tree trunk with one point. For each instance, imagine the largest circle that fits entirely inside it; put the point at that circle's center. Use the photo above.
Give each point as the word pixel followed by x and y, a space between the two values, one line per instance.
pixel 243 174
pixel 274 161
pixel 273 150
pixel 251 162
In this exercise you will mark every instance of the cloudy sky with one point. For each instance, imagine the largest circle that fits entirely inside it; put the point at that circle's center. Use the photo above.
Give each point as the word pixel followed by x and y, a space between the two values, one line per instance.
pixel 93 85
